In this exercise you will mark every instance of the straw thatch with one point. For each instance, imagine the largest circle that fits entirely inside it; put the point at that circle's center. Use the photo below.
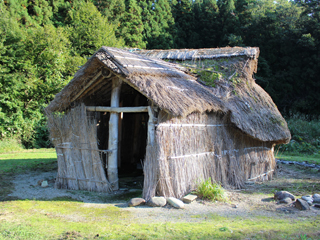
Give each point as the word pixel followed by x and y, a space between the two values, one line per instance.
pixel 202 146
pixel 169 87
pixel 79 159
pixel 210 117
pixel 252 109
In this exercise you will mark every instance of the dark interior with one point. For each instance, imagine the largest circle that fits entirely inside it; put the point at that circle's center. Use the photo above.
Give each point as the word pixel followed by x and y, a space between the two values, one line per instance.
pixel 133 128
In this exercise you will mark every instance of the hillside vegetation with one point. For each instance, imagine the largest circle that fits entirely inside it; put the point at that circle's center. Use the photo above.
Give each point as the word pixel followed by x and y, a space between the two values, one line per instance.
pixel 43 43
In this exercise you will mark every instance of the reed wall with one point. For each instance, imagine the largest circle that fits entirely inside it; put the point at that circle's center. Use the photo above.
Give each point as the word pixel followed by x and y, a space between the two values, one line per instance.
pixel 200 146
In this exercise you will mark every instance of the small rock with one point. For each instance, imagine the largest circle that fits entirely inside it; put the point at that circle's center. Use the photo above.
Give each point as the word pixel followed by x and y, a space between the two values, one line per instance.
pixel 302 205
pixel 316 195
pixel 136 202
pixel 176 203
pixel 307 198
pixel 316 200
pixel 234 205
pixel 157 202
pixel 310 203
pixel 44 184
pixel 189 198
pixel 283 194
pixel 286 200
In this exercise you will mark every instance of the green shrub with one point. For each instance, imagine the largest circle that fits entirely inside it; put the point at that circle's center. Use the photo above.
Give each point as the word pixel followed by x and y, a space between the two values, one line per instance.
pixel 10 145
pixel 206 189
pixel 305 137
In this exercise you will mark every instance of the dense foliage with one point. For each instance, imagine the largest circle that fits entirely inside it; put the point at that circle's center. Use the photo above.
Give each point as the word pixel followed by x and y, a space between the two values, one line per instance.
pixel 43 42
pixel 305 138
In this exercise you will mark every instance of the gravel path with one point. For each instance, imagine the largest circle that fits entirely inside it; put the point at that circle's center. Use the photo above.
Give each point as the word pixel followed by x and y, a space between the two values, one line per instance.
pixel 242 203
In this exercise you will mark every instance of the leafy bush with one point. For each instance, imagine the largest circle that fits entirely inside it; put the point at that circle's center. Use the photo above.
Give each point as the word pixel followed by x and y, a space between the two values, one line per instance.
pixel 10 145
pixel 305 137
pixel 206 189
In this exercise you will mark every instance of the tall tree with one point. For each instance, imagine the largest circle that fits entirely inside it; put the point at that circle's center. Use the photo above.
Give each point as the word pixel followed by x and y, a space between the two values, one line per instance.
pixel 229 24
pixel 89 30
pixel 208 22
pixel 131 26
pixel 29 13
pixel 112 9
pixel 34 65
pixel 185 35
pixel 158 24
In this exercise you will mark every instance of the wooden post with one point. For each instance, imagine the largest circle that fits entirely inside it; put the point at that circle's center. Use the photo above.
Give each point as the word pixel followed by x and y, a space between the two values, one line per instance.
pixel 113 136
pixel 151 127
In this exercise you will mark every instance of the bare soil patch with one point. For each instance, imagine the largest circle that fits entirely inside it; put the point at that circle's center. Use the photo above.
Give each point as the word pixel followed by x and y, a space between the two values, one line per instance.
pixel 253 200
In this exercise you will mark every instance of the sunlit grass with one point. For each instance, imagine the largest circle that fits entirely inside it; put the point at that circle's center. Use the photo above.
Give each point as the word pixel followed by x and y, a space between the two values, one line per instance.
pixel 57 219
pixel 27 159
pixel 64 218
pixel 315 158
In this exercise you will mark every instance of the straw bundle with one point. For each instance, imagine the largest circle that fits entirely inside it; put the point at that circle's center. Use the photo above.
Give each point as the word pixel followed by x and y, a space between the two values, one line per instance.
pixel 202 146
pixel 79 160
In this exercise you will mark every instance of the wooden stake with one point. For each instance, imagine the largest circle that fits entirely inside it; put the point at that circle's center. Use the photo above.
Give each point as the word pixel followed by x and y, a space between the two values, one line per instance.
pixel 151 127
pixel 117 109
pixel 113 136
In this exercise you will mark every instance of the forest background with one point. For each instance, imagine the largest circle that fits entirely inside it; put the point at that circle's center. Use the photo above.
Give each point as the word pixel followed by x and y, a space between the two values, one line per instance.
pixel 43 43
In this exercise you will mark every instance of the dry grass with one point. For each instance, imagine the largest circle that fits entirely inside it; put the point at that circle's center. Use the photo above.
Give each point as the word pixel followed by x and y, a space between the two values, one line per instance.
pixel 79 162
pixel 188 154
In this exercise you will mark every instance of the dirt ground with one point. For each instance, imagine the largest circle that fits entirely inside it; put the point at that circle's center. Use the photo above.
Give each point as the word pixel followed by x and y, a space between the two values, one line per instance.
pixel 254 199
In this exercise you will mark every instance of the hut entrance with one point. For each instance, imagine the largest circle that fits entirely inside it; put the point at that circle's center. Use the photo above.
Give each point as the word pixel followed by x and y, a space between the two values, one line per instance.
pixel 132 149
pixel 133 141
pixel 123 130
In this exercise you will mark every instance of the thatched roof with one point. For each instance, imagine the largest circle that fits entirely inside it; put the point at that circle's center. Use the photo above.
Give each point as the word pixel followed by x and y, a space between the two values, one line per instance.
pixel 174 89
pixel 252 109
pixel 206 53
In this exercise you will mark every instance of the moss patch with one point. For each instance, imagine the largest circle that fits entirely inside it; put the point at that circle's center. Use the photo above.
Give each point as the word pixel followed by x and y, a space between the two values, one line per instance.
pixel 212 70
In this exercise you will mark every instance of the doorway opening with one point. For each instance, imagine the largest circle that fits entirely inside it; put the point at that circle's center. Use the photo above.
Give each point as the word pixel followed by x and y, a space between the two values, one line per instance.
pixel 132 138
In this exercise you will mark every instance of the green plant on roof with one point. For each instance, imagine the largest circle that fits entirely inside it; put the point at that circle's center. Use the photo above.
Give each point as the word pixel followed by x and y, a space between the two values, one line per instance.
pixel 206 189
pixel 209 77
pixel 234 78
pixel 277 120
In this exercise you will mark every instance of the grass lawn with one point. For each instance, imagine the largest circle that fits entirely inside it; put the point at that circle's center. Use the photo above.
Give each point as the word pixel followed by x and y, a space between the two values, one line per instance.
pixel 299 157
pixel 75 220
pixel 66 219
pixel 21 161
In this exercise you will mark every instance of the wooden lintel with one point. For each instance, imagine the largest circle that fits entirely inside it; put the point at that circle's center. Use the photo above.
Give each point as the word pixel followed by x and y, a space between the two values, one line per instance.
pixel 117 109
pixel 87 86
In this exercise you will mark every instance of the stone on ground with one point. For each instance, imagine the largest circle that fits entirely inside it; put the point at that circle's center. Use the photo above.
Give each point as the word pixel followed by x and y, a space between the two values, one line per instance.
pixel 307 198
pixel 302 205
pixel 189 198
pixel 316 195
pixel 316 200
pixel 286 200
pixel 157 202
pixel 283 194
pixel 136 202
pixel 44 184
pixel 176 203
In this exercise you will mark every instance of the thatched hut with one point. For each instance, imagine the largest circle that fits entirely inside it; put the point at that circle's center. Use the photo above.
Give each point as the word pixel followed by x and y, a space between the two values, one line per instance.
pixel 204 117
